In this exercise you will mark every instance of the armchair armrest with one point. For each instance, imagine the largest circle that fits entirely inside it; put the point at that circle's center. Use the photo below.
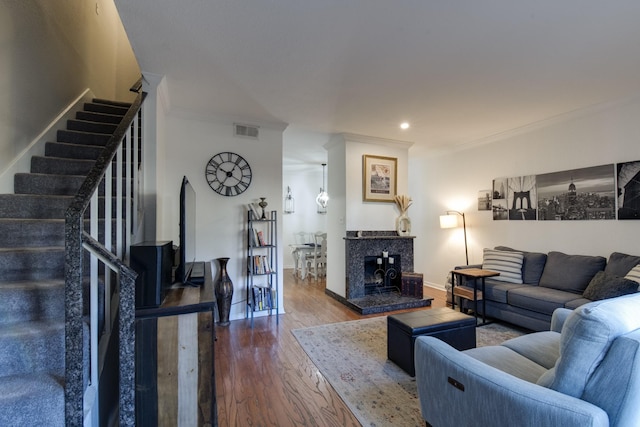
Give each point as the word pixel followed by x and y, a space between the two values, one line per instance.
pixel 455 389
pixel 558 318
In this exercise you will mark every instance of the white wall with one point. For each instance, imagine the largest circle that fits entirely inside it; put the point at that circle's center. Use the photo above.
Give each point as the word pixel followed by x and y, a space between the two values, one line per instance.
pixel 602 135
pixel 50 53
pixel 305 185
pixel 348 211
pixel 221 221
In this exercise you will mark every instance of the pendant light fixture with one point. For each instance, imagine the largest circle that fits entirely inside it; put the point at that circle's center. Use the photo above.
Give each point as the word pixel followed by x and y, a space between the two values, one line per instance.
pixel 289 202
pixel 322 199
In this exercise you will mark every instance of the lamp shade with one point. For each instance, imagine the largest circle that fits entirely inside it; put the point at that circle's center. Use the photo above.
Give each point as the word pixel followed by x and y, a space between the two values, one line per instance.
pixel 448 221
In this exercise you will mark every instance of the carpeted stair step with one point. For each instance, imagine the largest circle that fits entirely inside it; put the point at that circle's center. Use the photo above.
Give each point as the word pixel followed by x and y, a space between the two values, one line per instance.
pixel 84 138
pixel 94 127
pixel 72 151
pixel 92 116
pixel 61 185
pixel 35 206
pixel 26 264
pixel 17 233
pixel 32 400
pixel 29 347
pixel 122 104
pixel 31 301
pixel 26 233
pixel 40 183
pixel 106 108
pixel 60 166
pixel 42 300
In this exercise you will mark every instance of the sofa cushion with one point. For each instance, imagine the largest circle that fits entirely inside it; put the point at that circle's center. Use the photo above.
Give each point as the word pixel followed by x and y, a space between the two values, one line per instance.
pixel 604 285
pixel 540 347
pixel 634 274
pixel 532 264
pixel 586 337
pixel 507 263
pixel 507 360
pixel 539 299
pixel 497 291
pixel 570 272
pixel 620 264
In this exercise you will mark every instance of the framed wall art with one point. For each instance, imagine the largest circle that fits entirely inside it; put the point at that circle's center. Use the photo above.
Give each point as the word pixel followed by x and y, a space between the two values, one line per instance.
pixel 628 190
pixel 379 178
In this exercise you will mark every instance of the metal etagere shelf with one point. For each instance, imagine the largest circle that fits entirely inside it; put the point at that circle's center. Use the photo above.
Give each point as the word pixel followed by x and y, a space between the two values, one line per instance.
pixel 262 264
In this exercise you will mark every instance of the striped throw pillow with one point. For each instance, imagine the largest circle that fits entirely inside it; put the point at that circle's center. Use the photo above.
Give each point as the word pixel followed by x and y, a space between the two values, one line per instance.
pixel 634 274
pixel 507 263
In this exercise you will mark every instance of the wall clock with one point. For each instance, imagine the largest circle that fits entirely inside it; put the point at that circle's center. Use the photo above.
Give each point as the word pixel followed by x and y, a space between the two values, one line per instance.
pixel 228 174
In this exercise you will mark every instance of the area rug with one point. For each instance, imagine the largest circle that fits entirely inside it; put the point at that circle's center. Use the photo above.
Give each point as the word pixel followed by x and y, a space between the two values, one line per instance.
pixel 352 356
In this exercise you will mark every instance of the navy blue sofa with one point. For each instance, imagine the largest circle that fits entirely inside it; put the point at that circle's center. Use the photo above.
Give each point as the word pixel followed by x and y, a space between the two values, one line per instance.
pixel 549 281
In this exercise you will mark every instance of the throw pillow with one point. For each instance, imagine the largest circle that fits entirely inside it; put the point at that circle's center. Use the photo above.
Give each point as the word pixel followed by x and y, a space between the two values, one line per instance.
pixel 620 264
pixel 634 274
pixel 604 285
pixel 532 264
pixel 507 263
pixel 570 273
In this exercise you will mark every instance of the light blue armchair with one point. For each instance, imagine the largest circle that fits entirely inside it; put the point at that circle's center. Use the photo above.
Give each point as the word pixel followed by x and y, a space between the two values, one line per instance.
pixel 585 371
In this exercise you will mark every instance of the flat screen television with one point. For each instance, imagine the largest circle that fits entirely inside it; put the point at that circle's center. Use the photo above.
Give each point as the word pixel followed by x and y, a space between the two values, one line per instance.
pixel 189 271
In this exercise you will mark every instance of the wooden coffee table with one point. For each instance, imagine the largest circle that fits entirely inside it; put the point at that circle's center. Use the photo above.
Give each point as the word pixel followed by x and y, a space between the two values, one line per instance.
pixel 468 292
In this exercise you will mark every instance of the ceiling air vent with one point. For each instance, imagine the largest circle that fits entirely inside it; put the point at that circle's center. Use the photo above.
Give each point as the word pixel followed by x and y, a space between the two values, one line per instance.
pixel 246 131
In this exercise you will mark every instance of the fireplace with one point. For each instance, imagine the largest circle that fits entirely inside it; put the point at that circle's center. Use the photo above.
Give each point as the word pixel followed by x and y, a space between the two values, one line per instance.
pixel 371 245
pixel 375 261
pixel 382 274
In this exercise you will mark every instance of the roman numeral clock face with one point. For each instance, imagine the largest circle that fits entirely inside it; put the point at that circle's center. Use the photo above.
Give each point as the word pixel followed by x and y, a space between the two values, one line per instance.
pixel 228 174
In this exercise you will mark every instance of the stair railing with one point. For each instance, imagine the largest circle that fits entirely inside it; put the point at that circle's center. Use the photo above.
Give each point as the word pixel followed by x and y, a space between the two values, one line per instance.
pixel 117 171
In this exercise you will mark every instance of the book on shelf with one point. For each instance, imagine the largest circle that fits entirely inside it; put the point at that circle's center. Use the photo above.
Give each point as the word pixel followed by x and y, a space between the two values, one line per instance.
pixel 261 240
pixel 259 264
pixel 253 238
pixel 255 210
pixel 263 298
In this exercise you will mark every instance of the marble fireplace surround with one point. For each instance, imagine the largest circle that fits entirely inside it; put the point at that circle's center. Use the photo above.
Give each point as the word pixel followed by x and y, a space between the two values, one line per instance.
pixel 372 243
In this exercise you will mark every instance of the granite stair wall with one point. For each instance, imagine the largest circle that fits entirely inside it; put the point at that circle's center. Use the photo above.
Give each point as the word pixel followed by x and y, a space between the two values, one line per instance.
pixel 32 268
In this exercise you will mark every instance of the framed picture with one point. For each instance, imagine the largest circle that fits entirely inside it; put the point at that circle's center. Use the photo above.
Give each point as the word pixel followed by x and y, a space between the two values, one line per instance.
pixel 379 178
pixel 484 200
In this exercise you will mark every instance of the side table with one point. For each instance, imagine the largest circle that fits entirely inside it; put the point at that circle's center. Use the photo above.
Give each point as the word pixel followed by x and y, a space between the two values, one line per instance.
pixel 468 292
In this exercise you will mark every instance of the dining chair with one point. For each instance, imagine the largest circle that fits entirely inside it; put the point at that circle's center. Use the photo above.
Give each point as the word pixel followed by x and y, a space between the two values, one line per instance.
pixel 316 261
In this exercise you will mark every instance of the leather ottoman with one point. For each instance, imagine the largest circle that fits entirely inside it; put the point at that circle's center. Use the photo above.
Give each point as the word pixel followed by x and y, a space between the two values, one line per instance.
pixel 455 328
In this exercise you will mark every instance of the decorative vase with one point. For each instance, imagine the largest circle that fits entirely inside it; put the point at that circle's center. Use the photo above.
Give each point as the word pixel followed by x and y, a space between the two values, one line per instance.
pixel 223 288
pixel 403 225
pixel 263 204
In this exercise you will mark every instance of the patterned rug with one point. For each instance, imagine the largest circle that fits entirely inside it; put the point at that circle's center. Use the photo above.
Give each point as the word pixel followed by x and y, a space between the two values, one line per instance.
pixel 352 356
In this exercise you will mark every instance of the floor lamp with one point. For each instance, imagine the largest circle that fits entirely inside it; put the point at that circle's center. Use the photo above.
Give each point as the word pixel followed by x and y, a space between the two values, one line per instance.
pixel 450 220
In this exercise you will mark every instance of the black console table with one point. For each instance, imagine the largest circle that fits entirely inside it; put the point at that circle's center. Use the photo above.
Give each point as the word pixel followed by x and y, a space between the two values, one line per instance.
pixel 175 358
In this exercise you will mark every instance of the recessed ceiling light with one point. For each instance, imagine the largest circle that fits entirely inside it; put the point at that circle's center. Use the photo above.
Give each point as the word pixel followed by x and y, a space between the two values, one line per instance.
pixel 404 125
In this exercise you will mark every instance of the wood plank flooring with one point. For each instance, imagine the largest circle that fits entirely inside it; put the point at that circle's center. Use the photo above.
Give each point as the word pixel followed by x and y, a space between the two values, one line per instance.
pixel 264 378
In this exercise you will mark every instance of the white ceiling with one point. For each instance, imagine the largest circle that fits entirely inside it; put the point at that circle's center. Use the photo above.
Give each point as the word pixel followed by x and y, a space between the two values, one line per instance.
pixel 457 70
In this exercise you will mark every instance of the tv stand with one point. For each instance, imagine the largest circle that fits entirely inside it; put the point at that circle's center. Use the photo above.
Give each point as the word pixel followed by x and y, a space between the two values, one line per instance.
pixel 168 347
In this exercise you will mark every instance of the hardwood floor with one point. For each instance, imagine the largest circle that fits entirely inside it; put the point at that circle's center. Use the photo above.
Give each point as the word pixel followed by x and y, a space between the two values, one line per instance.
pixel 264 378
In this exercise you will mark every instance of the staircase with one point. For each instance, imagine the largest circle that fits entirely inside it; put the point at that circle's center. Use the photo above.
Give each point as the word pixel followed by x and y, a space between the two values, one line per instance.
pixel 32 268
